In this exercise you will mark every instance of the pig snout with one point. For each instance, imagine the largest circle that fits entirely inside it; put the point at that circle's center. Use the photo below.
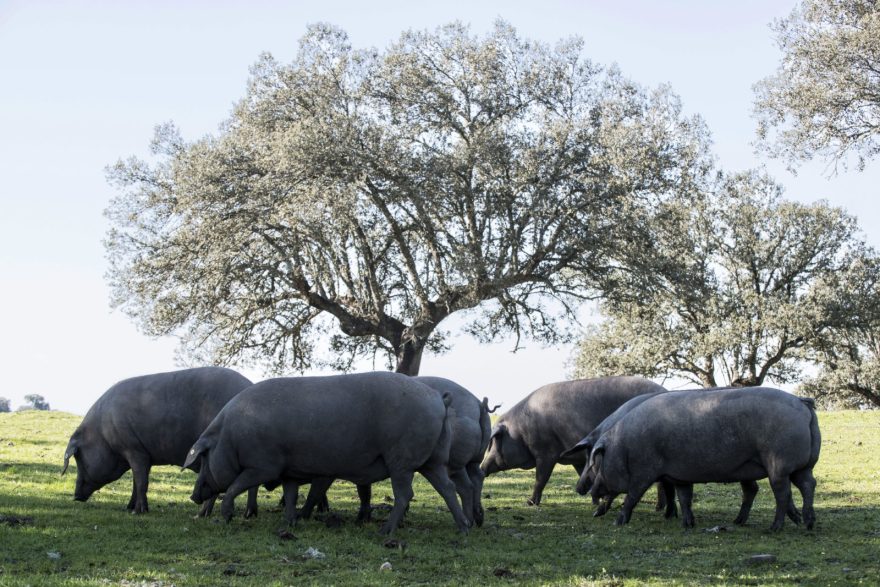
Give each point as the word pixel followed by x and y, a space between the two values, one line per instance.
pixel 584 484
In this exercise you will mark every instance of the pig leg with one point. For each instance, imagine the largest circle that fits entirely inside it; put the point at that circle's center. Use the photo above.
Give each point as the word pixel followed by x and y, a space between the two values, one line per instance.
pixel 793 512
pixel 291 496
pixel 465 490
pixel 806 484
pixel 668 490
pixel 633 496
pixel 476 475
pixel 685 498
pixel 401 485
pixel 140 471
pixel 207 507
pixel 438 478
pixel 247 479
pixel 543 470
pixel 251 509
pixel 750 490
pixel 317 494
pixel 133 499
pixel 604 506
pixel 781 486
pixel 365 493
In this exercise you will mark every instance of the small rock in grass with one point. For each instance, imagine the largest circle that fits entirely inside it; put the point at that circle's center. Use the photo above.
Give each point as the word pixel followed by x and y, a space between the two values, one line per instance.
pixel 717 529
pixel 54 555
pixel 759 559
pixel 386 566
pixel 314 553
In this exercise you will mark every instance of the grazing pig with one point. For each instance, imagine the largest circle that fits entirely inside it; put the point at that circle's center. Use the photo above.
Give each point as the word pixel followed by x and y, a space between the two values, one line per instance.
pixel 702 436
pixel 749 488
pixel 362 428
pixel 146 421
pixel 471 428
pixel 586 446
pixel 534 432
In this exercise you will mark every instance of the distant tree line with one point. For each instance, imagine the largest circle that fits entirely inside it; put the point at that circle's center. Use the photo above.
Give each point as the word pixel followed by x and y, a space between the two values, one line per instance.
pixel 34 402
pixel 355 199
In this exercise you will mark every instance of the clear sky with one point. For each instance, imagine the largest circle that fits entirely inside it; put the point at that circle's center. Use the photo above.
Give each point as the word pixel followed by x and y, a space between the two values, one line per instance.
pixel 82 83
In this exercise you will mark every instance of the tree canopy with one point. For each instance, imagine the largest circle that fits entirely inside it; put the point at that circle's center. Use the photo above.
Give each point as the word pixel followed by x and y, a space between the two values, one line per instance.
pixel 848 353
pixel 362 197
pixel 735 288
pixel 824 99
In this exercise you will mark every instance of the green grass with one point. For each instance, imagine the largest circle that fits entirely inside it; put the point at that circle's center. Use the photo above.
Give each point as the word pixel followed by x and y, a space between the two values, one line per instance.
pixel 559 543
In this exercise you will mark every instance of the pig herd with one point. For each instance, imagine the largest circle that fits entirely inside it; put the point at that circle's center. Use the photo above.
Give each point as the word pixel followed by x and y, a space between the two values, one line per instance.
pixel 621 434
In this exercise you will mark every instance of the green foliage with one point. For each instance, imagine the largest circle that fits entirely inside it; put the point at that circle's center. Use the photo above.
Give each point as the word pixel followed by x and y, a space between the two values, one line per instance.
pixel 5 405
pixel 824 98
pixel 558 543
pixel 849 354
pixel 726 288
pixel 363 197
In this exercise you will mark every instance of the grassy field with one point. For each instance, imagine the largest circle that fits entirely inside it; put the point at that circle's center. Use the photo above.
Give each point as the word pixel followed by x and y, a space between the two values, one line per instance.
pixel 48 539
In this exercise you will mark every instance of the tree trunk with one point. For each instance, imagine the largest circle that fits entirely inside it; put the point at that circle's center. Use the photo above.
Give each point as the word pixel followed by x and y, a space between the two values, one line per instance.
pixel 409 357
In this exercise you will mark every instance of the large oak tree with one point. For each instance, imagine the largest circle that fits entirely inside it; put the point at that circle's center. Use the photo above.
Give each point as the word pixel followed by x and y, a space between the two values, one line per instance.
pixel 729 289
pixel 824 99
pixel 361 197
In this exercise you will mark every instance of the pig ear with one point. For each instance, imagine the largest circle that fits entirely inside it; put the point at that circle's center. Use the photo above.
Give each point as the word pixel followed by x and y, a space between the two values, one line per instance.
pixel 72 449
pixel 596 455
pixel 194 453
pixel 499 428
pixel 584 444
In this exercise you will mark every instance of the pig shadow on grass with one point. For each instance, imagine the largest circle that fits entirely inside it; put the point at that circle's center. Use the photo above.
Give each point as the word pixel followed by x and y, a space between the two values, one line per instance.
pixel 35 469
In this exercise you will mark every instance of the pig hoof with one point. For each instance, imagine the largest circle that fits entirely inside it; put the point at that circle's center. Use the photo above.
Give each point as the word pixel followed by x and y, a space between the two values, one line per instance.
pixel 531 501
pixel 250 514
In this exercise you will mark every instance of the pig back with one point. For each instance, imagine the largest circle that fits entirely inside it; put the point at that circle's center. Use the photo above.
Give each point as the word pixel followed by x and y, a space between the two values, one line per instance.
pixel 720 435
pixel 557 416
pixel 337 425
pixel 163 414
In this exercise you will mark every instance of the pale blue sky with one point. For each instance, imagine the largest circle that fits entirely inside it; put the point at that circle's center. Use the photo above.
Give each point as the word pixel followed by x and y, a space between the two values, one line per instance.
pixel 83 83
